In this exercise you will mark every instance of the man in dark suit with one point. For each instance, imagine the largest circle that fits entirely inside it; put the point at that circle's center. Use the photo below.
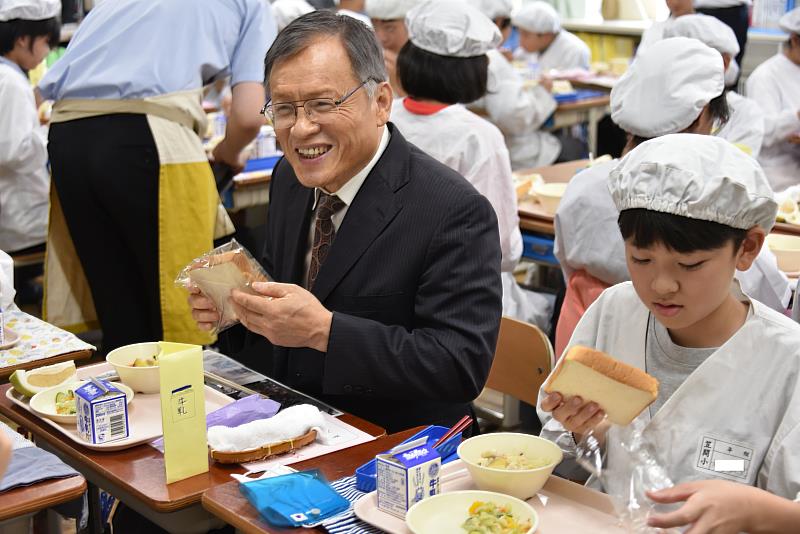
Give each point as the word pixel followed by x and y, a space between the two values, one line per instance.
pixel 388 296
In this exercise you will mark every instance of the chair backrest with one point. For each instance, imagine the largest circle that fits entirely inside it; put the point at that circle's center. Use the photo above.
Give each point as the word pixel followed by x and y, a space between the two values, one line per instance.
pixel 522 361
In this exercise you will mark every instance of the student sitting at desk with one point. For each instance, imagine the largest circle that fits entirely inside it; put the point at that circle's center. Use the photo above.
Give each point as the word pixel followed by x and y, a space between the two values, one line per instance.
pixel 674 86
pixel 540 33
pixel 443 65
pixel 693 210
pixel 28 28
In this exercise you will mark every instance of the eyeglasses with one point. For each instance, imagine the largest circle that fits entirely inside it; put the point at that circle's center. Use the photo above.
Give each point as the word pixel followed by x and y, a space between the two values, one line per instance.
pixel 318 110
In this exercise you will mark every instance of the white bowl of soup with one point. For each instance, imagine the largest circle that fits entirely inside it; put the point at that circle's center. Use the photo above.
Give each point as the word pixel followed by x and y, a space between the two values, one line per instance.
pixel 510 463
pixel 137 366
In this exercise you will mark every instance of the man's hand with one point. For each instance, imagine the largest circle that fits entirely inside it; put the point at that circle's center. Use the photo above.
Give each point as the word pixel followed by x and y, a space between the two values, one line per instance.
pixel 204 312
pixel 712 507
pixel 573 413
pixel 286 314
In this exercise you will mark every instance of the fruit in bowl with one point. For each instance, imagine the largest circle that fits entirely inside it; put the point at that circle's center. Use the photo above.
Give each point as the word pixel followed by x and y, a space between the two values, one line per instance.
pixel 137 366
pixel 510 463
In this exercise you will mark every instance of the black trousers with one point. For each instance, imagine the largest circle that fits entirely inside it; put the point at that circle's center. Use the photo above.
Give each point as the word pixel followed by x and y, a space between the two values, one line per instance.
pixel 106 170
pixel 737 18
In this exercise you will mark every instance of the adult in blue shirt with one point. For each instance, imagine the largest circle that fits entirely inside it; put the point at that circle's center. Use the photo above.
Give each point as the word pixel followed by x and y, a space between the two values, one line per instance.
pixel 132 181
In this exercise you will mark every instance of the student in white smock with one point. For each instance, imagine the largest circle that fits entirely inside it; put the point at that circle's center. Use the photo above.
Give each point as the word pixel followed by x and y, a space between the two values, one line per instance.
pixel 542 39
pixel 517 110
pixel 745 125
pixel 775 85
pixel 28 28
pixel 693 210
pixel 444 65
pixel 388 21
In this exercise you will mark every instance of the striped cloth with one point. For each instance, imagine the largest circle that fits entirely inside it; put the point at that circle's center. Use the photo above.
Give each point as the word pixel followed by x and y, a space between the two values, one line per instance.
pixel 347 522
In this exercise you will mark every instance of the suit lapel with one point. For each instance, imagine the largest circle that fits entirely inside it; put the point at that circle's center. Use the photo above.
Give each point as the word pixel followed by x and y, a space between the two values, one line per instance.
pixel 372 210
pixel 298 218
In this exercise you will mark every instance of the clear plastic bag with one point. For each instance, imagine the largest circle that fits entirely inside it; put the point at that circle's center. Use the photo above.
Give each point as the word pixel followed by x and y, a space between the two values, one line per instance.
pixel 627 471
pixel 220 271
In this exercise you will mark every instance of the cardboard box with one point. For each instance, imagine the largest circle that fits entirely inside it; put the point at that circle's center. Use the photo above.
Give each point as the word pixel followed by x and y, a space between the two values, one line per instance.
pixel 102 413
pixel 407 475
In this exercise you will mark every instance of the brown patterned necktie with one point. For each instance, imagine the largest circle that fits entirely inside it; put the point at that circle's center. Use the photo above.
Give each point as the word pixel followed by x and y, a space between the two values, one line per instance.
pixel 324 233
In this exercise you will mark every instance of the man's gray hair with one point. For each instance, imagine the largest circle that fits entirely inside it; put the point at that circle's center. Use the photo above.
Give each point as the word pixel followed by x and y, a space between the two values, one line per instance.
pixel 366 56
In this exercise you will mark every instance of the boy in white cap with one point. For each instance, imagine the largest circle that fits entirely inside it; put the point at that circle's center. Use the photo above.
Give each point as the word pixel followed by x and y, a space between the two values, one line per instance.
pixel 444 65
pixel 775 85
pixel 540 33
pixel 519 112
pixel 745 126
pixel 675 86
pixel 693 210
pixel 388 21
pixel 28 28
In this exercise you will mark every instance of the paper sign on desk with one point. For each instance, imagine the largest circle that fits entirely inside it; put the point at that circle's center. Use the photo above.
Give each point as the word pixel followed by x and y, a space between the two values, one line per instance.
pixel 183 410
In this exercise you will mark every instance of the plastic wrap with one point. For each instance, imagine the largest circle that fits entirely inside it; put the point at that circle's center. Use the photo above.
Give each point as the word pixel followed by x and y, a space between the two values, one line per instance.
pixel 627 471
pixel 220 271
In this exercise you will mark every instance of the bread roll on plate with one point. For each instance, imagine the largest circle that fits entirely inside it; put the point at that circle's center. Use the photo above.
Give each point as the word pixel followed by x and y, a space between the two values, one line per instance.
pixel 621 390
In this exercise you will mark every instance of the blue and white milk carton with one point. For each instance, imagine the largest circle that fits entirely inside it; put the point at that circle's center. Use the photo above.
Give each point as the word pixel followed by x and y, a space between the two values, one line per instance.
pixel 407 474
pixel 102 412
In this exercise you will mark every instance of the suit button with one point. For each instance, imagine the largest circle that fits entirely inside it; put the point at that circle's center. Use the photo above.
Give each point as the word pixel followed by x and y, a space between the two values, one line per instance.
pixel 298 375
pixel 359 389
pixel 369 391
pixel 348 388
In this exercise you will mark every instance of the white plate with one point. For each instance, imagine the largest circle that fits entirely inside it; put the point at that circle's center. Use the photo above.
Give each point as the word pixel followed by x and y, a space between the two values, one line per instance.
pixel 446 512
pixel 10 337
pixel 44 402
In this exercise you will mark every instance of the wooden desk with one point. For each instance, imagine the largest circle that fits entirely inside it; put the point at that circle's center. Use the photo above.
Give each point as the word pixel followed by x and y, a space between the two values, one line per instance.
pixel 249 190
pixel 589 110
pixel 227 503
pixel 532 217
pixel 136 475
pixel 31 499
pixel 5 372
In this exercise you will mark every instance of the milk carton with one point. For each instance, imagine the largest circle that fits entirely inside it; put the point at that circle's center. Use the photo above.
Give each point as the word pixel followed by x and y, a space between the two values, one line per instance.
pixel 102 412
pixel 406 475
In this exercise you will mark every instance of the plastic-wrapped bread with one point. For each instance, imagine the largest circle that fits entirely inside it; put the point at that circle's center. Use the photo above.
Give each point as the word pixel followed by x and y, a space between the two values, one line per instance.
pixel 621 390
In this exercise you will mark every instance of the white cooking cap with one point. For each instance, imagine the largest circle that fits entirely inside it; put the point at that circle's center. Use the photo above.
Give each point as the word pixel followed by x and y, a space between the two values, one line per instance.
pixel 286 11
pixel 493 8
pixel 29 9
pixel 451 28
pixel 389 9
pixel 708 30
pixel 537 17
pixel 667 87
pixel 697 176
pixel 790 22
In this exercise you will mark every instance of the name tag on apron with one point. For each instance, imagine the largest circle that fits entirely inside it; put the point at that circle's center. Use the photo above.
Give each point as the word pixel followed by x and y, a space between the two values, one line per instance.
pixel 724 458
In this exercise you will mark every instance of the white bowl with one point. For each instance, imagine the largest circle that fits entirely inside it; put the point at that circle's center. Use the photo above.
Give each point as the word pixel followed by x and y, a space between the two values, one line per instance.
pixel 446 512
pixel 549 195
pixel 44 402
pixel 141 379
pixel 787 250
pixel 522 483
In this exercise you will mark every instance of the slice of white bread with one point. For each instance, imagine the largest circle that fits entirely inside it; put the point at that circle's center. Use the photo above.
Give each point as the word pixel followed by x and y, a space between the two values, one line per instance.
pixel 621 390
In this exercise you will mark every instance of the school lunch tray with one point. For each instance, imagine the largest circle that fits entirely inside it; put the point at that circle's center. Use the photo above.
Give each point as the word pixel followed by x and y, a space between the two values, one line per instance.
pixel 144 413
pixel 570 507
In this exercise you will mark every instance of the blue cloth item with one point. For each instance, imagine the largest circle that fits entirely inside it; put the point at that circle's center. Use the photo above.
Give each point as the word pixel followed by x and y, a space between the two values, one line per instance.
pixel 30 465
pixel 132 49
pixel 294 500
pixel 347 522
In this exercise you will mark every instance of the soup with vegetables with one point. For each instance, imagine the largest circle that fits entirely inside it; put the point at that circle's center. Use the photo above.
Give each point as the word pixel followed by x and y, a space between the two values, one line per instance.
pixel 511 462
pixel 490 518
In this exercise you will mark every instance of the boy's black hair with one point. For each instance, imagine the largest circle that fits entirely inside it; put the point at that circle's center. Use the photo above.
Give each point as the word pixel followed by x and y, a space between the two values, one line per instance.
pixel 450 80
pixel 13 29
pixel 647 228
pixel 718 107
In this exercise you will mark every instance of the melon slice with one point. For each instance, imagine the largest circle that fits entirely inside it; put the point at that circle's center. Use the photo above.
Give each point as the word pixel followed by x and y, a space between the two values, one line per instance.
pixel 29 383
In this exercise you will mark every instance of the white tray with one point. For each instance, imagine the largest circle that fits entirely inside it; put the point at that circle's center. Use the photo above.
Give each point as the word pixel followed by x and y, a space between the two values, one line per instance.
pixel 570 507
pixel 144 413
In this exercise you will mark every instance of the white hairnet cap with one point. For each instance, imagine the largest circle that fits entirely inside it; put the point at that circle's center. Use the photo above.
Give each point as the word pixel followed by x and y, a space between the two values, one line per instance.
pixel 537 17
pixel 697 176
pixel 451 28
pixel 706 29
pixel 286 11
pixel 493 8
pixel 667 87
pixel 29 9
pixel 389 9
pixel 790 22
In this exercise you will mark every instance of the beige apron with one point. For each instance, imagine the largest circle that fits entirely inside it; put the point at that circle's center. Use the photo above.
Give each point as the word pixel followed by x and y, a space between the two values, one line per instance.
pixel 190 214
